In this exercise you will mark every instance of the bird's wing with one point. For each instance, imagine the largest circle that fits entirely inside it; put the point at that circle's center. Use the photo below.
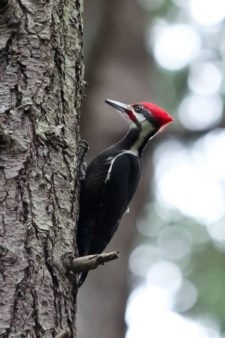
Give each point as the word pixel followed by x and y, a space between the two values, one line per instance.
pixel 119 186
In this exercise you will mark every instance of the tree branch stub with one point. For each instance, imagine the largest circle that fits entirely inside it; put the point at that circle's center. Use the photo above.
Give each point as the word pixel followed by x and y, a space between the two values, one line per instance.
pixel 90 262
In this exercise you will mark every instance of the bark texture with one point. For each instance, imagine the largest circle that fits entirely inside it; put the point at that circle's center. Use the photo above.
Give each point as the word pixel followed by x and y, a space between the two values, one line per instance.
pixel 41 80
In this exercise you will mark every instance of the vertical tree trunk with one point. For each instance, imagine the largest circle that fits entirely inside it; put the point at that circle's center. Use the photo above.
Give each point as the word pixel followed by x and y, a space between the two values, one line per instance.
pixel 41 79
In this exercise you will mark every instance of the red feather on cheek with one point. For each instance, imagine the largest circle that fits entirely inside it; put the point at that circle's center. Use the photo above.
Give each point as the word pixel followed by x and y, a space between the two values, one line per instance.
pixel 131 116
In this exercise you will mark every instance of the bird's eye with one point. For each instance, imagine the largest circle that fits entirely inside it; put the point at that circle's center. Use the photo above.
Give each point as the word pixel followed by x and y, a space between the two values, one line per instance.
pixel 138 108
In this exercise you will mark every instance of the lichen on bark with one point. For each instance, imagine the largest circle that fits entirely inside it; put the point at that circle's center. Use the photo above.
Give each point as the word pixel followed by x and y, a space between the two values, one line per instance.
pixel 41 87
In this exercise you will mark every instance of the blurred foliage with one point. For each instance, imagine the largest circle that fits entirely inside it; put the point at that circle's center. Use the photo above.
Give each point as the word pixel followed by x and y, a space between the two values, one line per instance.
pixel 165 233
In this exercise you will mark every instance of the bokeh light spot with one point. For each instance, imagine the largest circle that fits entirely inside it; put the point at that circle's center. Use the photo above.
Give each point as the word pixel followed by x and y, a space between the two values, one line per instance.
pixel 148 314
pixel 142 258
pixel 208 12
pixel 198 112
pixel 205 78
pixel 184 183
pixel 175 242
pixel 186 297
pixel 166 275
pixel 174 46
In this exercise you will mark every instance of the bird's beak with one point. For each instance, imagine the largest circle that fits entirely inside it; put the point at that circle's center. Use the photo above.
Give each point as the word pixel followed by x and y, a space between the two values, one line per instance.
pixel 122 107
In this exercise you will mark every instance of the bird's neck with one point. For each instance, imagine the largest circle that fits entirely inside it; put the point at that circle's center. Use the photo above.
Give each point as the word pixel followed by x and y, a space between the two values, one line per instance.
pixel 137 138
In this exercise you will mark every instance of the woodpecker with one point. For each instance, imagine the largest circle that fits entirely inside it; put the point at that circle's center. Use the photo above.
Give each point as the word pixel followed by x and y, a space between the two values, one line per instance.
pixel 112 177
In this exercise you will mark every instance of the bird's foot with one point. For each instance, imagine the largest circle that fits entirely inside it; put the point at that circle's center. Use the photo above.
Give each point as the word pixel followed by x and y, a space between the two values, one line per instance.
pixel 83 148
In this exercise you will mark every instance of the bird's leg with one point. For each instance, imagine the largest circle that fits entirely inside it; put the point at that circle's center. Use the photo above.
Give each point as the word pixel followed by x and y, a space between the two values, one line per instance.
pixel 83 148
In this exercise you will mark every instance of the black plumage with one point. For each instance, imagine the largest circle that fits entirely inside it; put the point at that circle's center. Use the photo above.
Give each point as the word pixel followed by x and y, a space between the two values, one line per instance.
pixel 112 179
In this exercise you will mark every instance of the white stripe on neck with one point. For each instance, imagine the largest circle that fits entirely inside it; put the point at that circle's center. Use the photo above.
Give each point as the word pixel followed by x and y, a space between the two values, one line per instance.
pixel 146 129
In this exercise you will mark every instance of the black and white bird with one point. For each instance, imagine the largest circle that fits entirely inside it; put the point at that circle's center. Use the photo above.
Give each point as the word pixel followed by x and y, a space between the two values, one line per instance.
pixel 112 177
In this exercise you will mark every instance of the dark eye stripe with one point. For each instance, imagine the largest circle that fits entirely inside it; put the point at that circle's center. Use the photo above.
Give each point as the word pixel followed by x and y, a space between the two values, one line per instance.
pixel 139 109
pixel 148 115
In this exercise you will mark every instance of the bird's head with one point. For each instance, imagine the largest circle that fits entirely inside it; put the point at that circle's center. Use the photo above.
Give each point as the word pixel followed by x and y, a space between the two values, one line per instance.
pixel 143 114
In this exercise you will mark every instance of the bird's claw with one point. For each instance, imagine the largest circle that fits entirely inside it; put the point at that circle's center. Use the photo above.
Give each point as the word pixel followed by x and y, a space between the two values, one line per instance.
pixel 83 148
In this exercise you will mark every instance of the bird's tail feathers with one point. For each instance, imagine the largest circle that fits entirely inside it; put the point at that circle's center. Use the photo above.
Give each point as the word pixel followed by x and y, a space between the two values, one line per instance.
pixel 82 278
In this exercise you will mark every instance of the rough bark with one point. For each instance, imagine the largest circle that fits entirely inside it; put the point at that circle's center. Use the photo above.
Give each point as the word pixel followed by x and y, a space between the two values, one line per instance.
pixel 41 84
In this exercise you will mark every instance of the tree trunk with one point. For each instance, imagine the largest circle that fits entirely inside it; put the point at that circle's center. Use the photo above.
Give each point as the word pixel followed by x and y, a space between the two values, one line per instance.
pixel 41 74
